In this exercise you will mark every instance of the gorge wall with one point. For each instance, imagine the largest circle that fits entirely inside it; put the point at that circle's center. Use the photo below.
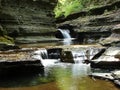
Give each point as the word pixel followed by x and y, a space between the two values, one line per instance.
pixel 29 21
pixel 95 24
pixel 27 18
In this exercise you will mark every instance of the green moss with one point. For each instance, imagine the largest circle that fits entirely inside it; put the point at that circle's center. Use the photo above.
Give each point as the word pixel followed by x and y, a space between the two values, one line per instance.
pixel 6 39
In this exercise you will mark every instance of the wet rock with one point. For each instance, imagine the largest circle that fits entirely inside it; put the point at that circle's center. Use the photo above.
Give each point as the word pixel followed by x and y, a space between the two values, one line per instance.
pixel 117 83
pixel 79 54
pixel 107 60
pixel 67 57
pixel 54 53
pixel 10 47
pixel 112 75
pixel 102 76
pixel 116 74
pixel 5 46
pixel 58 34
pixel 99 54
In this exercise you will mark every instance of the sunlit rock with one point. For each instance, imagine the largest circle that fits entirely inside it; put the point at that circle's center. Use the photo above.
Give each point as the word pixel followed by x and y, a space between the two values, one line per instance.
pixel 107 59
pixel 114 38
pixel 19 62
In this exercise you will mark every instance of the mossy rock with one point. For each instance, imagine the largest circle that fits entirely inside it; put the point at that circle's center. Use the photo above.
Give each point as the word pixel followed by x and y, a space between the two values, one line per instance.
pixel 6 39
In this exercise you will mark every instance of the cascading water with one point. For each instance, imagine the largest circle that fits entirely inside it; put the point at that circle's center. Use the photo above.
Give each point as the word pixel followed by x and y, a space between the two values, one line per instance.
pixel 83 54
pixel 78 56
pixel 42 55
pixel 66 35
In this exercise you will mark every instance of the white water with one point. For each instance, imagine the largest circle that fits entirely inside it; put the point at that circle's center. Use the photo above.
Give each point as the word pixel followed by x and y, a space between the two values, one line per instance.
pixel 83 54
pixel 65 33
pixel 67 38
pixel 42 55
pixel 78 56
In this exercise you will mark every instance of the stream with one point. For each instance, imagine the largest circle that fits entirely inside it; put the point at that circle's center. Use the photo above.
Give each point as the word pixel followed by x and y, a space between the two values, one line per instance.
pixel 60 76
pixel 56 76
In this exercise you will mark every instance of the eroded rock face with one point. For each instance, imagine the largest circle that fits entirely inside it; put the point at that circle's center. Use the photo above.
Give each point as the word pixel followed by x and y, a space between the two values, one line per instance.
pixel 27 17
pixel 114 38
pixel 92 27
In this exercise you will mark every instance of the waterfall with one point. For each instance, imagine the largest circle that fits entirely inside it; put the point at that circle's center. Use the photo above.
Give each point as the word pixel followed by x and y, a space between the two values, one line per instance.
pixel 42 55
pixel 78 56
pixel 67 38
pixel 65 33
pixel 84 54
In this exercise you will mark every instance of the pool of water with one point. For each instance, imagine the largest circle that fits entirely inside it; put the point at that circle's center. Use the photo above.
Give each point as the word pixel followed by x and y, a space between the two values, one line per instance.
pixel 60 76
pixel 57 76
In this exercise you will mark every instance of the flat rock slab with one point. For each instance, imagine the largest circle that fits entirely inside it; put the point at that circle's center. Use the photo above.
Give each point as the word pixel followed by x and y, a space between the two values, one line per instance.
pixel 16 55
pixel 108 59
pixel 102 75
pixel 19 61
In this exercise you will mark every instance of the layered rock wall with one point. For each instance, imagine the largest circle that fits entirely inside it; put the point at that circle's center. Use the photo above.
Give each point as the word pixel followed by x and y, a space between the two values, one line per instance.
pixel 27 17
pixel 94 24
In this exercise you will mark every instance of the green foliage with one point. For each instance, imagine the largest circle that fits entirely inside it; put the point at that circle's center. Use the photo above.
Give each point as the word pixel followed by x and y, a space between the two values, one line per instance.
pixel 66 7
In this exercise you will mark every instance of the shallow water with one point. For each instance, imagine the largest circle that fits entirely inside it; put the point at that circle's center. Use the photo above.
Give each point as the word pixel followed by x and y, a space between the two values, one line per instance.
pixel 60 76
pixel 56 76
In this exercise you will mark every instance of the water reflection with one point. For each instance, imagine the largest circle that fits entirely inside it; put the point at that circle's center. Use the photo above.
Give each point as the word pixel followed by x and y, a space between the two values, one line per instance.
pixel 68 78
pixel 61 76
pixel 60 72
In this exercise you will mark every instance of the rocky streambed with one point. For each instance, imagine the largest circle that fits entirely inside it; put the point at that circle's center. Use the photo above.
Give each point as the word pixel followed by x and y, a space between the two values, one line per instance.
pixel 99 59
pixel 54 59
pixel 19 62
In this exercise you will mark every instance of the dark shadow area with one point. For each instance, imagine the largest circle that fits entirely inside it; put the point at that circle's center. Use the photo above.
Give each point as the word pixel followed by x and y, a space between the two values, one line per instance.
pixel 22 78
